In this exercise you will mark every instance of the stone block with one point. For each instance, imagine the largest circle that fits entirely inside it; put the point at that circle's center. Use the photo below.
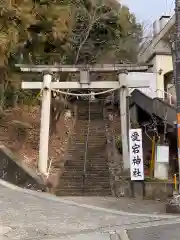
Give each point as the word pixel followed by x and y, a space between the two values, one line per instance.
pixel 172 208
pixel 173 205
pixel 143 190
pixel 158 190
pixel 137 189
pixel 122 188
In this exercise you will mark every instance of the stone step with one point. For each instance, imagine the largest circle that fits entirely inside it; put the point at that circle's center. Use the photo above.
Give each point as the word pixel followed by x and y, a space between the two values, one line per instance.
pixel 93 170
pixel 73 184
pixel 75 178
pixel 70 186
pixel 81 152
pixel 89 170
pixel 97 181
pixel 87 182
pixel 81 147
pixel 84 190
pixel 80 172
pixel 91 139
pixel 83 193
pixel 96 123
pixel 99 161
pixel 80 164
pixel 89 162
pixel 83 134
pixel 84 130
pixel 90 159
pixel 81 188
pixel 92 128
pixel 78 180
pixel 90 151
pixel 86 186
pixel 93 124
pixel 96 178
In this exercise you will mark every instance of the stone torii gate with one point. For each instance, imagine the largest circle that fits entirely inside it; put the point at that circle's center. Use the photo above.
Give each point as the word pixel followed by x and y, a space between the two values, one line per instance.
pixel 130 76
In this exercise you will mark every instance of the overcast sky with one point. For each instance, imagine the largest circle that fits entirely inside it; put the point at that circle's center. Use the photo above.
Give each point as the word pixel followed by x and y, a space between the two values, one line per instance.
pixel 150 10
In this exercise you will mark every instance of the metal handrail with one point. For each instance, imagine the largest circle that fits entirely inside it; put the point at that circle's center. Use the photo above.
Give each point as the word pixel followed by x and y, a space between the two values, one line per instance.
pixel 160 90
pixel 165 93
pixel 86 147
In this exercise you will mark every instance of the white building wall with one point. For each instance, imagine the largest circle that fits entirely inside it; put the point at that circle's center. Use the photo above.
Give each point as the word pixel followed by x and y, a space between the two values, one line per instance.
pixel 149 91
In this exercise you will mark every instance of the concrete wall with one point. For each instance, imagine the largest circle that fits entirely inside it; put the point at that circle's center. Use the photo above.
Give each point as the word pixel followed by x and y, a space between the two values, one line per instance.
pixel 149 91
pixel 158 53
pixel 161 47
pixel 15 172
pixel 161 65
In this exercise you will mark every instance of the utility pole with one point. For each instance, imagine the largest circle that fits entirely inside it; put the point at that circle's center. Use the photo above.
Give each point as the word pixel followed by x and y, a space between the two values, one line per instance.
pixel 177 73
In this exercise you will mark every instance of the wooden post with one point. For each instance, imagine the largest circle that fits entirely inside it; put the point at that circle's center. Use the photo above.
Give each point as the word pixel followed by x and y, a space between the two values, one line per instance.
pixel 45 123
pixel 175 184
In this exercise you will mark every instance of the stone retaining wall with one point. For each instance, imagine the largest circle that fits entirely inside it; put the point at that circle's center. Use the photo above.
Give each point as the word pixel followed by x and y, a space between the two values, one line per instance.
pixel 144 190
pixel 17 173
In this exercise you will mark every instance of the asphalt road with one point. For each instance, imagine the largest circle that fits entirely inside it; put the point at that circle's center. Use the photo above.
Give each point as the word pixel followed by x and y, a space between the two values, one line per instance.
pixel 164 232
pixel 27 215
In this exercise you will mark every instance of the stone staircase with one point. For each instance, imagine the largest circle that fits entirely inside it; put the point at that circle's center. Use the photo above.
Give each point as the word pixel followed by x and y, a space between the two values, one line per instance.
pixel 97 180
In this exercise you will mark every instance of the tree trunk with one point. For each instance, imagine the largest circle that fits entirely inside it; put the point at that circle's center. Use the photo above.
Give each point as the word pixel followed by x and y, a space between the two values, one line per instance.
pixel 14 99
pixel 3 77
pixel 2 98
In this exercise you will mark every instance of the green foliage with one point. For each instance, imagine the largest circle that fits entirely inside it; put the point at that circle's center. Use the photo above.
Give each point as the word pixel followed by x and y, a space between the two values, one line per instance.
pixel 128 45
pixel 15 19
pixel 102 30
pixel 64 32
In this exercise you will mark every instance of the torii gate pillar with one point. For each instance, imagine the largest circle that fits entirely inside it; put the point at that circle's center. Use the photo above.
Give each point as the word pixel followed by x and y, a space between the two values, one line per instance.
pixel 131 80
pixel 123 93
pixel 45 124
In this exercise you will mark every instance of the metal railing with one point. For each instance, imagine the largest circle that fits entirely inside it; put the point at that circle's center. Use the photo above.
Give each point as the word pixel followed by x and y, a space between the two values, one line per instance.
pixel 165 95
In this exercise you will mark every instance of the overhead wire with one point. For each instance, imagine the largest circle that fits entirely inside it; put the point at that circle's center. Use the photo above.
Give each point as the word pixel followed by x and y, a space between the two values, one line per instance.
pixel 171 6
pixel 166 6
